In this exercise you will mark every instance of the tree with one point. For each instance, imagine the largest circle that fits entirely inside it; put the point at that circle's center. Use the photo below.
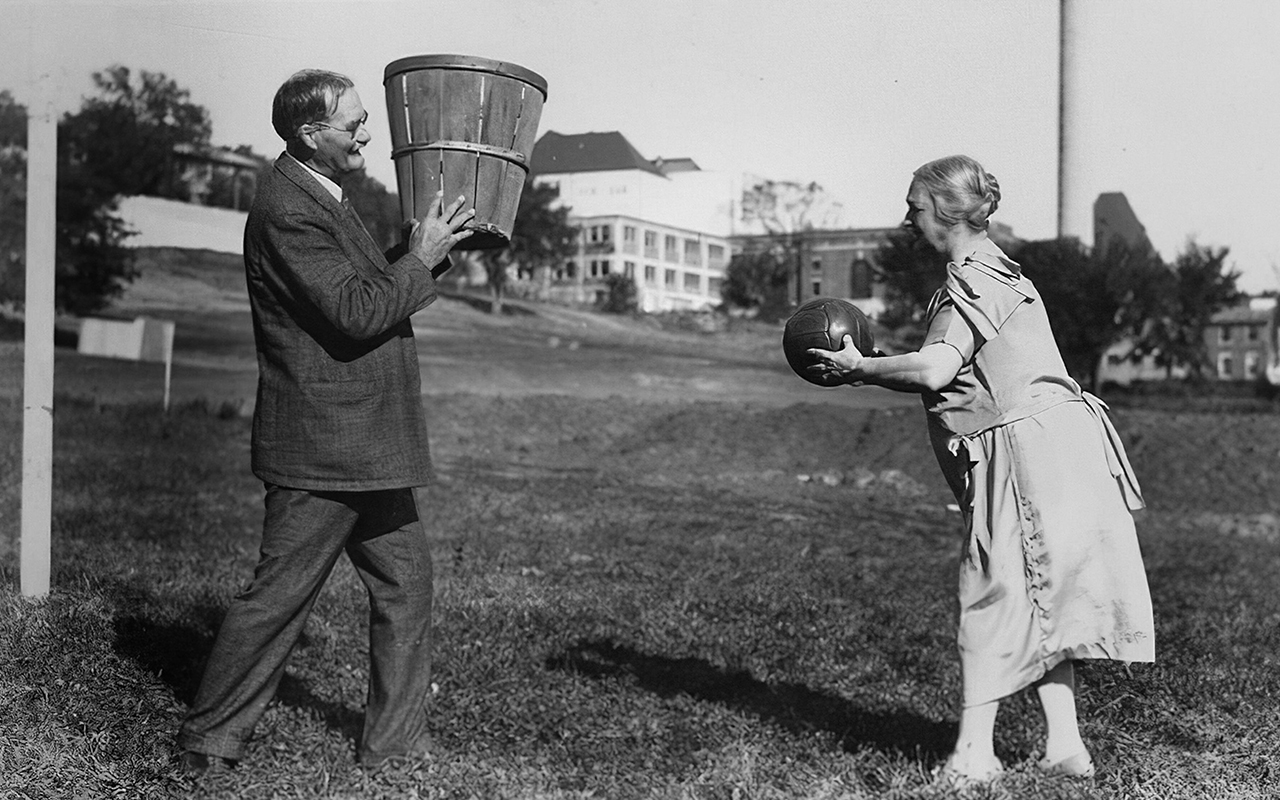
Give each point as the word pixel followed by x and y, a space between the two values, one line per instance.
pixel 788 207
pixel 784 211
pixel 757 280
pixel 911 271
pixel 13 194
pixel 124 137
pixel 1200 285
pixel 1093 299
pixel 620 294
pixel 91 262
pixel 541 237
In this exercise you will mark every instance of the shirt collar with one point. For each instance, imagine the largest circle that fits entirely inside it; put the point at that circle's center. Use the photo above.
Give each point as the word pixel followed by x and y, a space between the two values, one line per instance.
pixel 328 183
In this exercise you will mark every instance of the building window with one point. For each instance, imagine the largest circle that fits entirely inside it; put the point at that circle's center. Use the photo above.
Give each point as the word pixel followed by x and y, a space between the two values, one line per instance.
pixel 669 278
pixel 1226 365
pixel 629 239
pixel 692 282
pixel 860 278
pixel 714 286
pixel 817 265
pixel 669 247
pixel 650 274
pixel 1251 333
pixel 692 252
pixel 1252 364
pixel 715 254
pixel 817 288
pixel 600 268
pixel 570 270
pixel 1224 334
pixel 650 244
pixel 629 269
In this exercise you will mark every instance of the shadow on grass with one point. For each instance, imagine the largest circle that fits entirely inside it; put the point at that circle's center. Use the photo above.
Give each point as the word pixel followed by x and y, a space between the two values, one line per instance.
pixel 793 706
pixel 177 655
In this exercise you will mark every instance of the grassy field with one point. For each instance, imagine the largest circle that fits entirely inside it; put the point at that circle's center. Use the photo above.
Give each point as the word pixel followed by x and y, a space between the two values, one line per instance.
pixel 638 597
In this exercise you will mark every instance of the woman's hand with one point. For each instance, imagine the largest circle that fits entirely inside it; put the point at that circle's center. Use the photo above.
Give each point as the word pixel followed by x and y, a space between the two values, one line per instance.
pixel 843 365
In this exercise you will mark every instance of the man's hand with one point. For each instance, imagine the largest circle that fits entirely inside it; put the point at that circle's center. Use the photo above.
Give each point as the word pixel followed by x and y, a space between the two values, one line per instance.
pixel 434 235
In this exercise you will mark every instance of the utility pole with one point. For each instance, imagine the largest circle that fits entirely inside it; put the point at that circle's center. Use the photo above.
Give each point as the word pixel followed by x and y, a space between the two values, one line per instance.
pixel 1075 207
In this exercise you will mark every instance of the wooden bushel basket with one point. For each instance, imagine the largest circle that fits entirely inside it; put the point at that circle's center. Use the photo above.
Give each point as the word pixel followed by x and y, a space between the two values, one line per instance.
pixel 466 124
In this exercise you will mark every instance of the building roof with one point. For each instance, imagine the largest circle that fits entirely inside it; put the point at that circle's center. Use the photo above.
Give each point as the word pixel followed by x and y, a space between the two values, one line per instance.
pixel 670 165
pixel 1243 314
pixel 586 152
pixel 216 155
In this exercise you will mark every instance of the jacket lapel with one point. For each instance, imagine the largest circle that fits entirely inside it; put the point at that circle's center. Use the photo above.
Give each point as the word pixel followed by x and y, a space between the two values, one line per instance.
pixel 348 222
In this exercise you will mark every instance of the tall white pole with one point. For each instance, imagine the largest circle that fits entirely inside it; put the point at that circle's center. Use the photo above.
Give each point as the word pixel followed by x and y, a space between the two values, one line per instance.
pixel 1075 206
pixel 37 361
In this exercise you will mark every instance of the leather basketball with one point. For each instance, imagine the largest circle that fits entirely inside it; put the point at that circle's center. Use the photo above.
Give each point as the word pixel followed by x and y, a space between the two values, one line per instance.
pixel 823 323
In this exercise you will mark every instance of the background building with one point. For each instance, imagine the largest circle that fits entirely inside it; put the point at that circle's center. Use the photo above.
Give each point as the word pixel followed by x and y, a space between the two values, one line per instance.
pixel 663 223
pixel 1243 343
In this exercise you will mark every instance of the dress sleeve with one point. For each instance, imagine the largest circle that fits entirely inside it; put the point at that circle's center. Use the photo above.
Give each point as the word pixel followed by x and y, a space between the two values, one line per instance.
pixel 947 326
pixel 985 298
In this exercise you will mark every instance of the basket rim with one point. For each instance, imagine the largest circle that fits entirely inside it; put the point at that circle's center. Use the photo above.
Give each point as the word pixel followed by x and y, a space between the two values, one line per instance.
pixel 467 63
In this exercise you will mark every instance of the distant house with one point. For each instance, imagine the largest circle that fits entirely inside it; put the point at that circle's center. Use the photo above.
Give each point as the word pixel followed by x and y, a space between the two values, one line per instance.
pixel 214 176
pixel 662 223
pixel 1243 342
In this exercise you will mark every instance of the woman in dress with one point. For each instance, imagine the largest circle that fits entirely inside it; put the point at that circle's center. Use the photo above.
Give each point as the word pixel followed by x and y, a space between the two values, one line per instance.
pixel 1050 571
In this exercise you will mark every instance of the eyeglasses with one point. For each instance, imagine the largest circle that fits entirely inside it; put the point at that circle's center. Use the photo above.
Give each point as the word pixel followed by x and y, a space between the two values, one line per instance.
pixel 351 131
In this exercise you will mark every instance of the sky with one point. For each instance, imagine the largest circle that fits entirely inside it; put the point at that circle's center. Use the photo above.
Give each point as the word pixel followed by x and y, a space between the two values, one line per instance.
pixel 1183 113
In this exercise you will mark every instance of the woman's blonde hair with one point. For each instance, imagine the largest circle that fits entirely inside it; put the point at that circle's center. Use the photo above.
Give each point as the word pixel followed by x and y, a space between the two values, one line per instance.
pixel 961 189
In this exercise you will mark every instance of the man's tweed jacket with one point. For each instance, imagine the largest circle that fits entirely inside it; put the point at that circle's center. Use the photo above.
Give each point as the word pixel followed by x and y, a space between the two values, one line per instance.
pixel 339 405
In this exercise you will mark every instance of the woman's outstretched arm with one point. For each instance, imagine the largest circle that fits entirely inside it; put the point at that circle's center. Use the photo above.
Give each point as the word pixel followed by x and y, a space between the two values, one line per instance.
pixel 928 369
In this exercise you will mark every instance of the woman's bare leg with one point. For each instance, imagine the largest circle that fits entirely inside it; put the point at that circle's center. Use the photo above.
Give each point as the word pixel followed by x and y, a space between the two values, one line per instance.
pixel 1057 690
pixel 974 755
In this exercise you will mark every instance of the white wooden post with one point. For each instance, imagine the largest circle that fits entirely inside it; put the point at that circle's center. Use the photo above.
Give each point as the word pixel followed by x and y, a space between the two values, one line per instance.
pixel 37 360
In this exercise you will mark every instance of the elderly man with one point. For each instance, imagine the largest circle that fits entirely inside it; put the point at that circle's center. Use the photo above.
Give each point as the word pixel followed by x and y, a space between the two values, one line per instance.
pixel 339 434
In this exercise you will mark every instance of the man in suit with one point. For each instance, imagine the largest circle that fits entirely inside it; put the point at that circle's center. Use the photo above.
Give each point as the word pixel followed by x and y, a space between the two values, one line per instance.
pixel 339 435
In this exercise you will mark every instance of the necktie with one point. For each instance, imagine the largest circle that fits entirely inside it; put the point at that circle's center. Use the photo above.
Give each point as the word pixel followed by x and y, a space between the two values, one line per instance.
pixel 351 211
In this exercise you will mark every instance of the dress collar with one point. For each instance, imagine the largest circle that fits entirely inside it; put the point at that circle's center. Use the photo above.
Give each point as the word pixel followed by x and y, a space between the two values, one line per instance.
pixel 986 256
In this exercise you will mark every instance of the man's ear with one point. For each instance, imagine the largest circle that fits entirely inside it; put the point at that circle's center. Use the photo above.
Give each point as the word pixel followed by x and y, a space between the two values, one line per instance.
pixel 302 146
pixel 306 137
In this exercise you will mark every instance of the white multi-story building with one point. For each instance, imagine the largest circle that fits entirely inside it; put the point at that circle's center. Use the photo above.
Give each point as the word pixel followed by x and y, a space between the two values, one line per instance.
pixel 663 223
